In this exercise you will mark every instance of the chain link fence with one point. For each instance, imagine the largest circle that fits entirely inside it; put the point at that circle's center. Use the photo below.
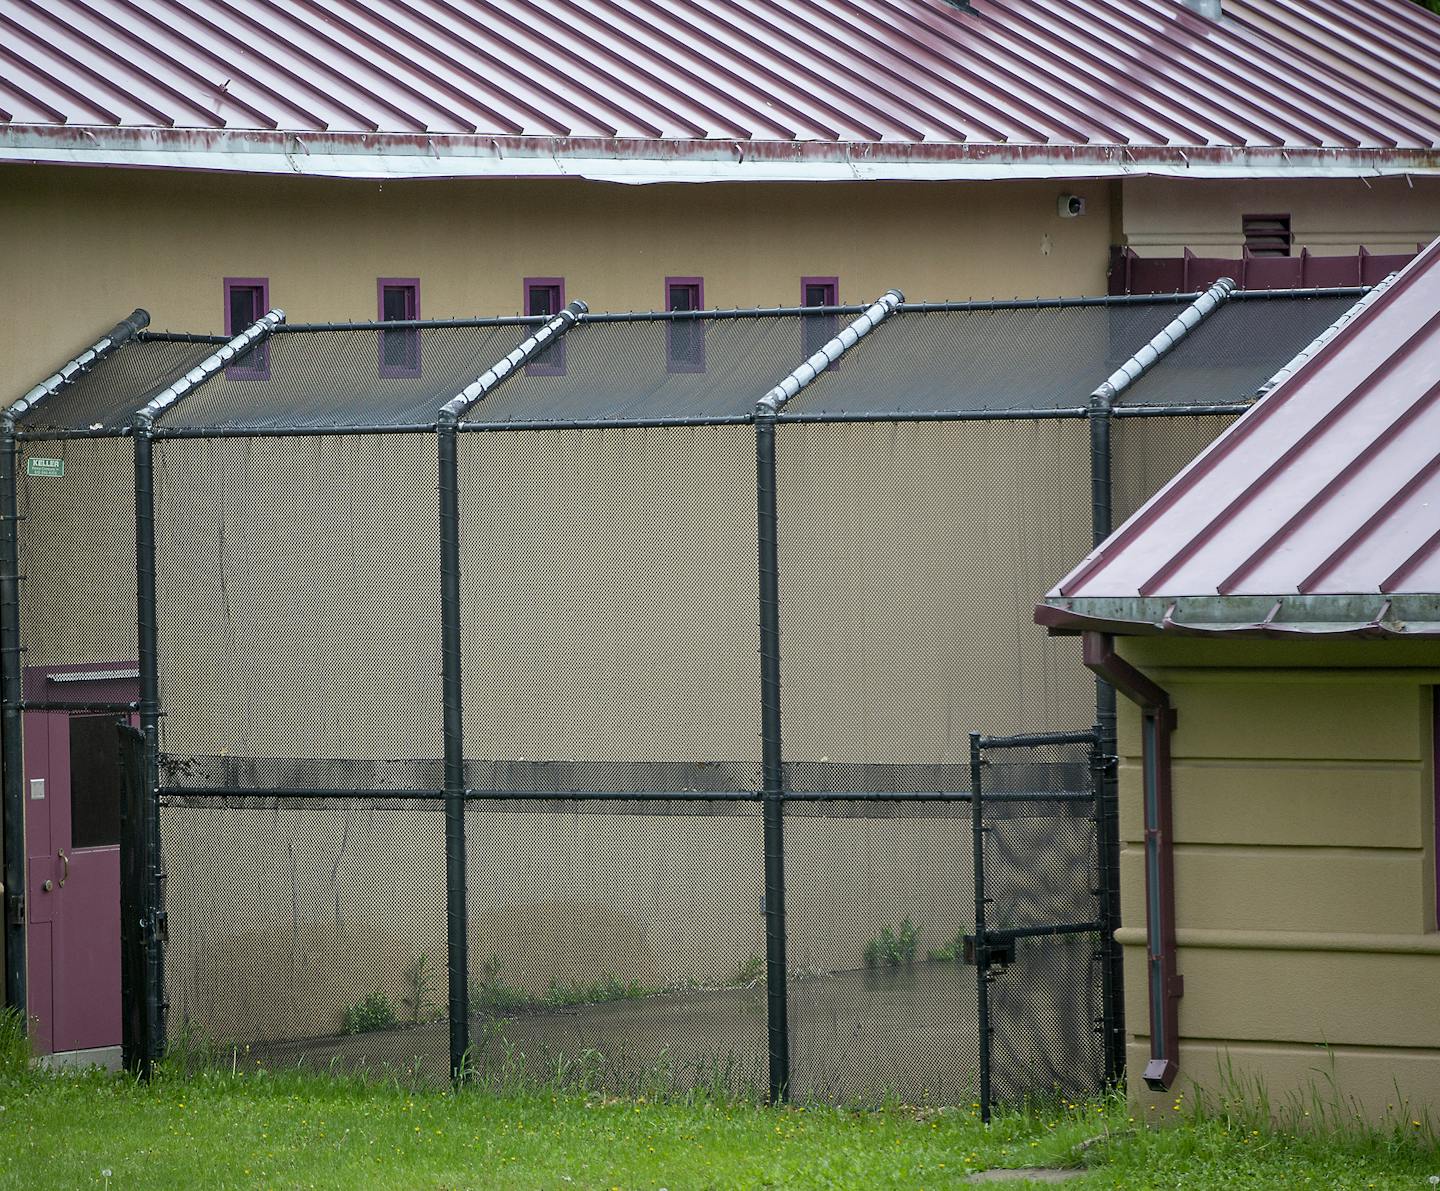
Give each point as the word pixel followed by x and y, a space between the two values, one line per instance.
pixel 501 792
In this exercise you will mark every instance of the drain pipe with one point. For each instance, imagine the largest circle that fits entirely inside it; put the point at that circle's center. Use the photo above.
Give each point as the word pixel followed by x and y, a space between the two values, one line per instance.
pixel 12 802
pixel 1164 985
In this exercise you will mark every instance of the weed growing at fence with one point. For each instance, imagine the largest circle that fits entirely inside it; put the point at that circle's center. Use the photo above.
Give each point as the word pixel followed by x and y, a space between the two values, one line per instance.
pixel 890 949
pixel 420 980
pixel 951 952
pixel 375 1012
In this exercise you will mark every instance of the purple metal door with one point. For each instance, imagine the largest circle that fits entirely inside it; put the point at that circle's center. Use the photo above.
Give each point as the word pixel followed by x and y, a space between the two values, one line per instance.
pixel 72 843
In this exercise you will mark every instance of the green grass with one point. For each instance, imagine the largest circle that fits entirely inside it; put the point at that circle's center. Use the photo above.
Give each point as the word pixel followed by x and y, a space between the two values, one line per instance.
pixel 218 1129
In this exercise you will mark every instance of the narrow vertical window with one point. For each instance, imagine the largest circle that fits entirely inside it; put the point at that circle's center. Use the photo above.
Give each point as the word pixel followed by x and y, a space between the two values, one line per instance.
pixel 819 328
pixel 685 338
pixel 246 301
pixel 399 301
pixel 545 296
pixel 1267 235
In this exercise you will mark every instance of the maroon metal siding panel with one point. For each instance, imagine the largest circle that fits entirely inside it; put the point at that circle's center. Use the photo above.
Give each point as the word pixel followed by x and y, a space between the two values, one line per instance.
pixel 1345 75
pixel 1329 486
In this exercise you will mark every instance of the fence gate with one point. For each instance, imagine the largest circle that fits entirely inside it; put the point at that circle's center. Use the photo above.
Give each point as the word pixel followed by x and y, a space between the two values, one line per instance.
pixel 1044 916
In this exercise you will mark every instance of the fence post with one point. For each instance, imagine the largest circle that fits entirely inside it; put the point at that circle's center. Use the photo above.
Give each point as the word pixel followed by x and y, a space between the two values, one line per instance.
pixel 138 1004
pixel 148 643
pixel 982 947
pixel 14 780
pixel 1107 841
pixel 456 893
pixel 1101 415
pixel 776 989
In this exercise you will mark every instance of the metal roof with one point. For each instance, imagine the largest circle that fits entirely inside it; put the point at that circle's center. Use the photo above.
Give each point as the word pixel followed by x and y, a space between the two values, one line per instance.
pixel 1045 357
pixel 1327 492
pixel 643 90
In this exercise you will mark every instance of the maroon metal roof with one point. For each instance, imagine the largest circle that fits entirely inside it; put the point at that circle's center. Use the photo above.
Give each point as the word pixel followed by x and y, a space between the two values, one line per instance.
pixel 649 78
pixel 1328 487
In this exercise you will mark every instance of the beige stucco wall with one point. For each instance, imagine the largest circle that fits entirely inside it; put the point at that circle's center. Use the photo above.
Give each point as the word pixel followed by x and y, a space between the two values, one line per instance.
pixel 1304 809
pixel 86 246
pixel 1334 216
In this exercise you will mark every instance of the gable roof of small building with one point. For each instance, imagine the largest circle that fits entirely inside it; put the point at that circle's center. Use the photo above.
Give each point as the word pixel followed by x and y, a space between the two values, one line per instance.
pixel 1317 512
pixel 640 90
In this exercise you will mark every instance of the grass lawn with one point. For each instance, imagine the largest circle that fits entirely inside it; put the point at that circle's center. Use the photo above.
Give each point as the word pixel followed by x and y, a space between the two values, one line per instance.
pixel 312 1130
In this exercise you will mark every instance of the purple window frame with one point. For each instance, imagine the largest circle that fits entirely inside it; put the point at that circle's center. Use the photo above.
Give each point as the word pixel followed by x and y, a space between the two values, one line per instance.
pixel 257 363
pixel 409 341
pixel 551 362
pixel 818 330
pixel 685 340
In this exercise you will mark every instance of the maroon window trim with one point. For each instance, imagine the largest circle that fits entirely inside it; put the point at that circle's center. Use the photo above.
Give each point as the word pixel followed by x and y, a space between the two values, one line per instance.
pixel 398 298
pixel 546 295
pixel 819 329
pixel 256 363
pixel 685 339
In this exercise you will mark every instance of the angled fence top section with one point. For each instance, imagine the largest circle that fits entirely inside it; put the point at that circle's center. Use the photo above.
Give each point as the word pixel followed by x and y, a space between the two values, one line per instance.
pixel 924 359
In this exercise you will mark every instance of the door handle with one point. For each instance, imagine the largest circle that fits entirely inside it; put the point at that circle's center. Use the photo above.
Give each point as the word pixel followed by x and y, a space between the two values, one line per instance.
pixel 65 869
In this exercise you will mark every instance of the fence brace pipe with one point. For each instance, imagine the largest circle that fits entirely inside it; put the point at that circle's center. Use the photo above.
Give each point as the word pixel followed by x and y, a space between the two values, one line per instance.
pixel 457 908
pixel 1101 411
pixel 772 750
pixel 1164 985
pixel 775 399
pixel 147 634
pixel 457 407
pixel 12 666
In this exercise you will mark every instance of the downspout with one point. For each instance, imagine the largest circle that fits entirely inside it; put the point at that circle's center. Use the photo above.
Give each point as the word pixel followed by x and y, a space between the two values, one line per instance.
pixel 772 751
pixel 1102 523
pixel 153 930
pixel 457 910
pixel 1164 985
pixel 12 753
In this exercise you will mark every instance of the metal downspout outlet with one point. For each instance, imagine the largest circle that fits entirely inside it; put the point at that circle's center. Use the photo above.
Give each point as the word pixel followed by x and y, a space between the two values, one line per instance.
pixel 1164 985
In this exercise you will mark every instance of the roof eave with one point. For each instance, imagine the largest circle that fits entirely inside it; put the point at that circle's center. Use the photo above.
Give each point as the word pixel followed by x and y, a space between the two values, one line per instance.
pixel 1264 616
pixel 639 160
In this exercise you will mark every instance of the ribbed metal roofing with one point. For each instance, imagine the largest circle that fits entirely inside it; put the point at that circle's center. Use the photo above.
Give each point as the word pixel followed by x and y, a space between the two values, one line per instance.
pixel 1329 487
pixel 1121 82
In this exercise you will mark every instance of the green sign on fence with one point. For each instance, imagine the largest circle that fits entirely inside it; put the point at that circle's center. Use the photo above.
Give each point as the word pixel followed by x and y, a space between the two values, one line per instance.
pixel 44 467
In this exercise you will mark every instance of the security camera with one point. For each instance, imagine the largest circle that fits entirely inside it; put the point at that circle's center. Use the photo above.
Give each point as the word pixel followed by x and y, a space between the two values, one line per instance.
pixel 1069 206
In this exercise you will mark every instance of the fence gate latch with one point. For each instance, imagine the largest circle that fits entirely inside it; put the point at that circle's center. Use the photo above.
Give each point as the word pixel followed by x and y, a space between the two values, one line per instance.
pixel 999 954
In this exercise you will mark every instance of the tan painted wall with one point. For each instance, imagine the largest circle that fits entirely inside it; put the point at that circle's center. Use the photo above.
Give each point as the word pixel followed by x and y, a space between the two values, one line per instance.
pixel 1304 868
pixel 85 247
pixel 1164 216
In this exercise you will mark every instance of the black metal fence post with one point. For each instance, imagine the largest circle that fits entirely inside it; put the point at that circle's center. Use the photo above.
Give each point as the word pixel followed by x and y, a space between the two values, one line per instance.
pixel 772 761
pixel 139 1004
pixel 1107 792
pixel 14 691
pixel 982 947
pixel 148 645
pixel 456 892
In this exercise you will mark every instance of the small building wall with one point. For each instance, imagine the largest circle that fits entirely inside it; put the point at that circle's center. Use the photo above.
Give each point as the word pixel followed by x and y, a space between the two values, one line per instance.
pixel 1304 804
pixel 1329 216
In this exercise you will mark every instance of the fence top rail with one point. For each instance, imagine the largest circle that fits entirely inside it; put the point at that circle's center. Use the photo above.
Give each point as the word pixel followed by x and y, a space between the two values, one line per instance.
pixel 1038 739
